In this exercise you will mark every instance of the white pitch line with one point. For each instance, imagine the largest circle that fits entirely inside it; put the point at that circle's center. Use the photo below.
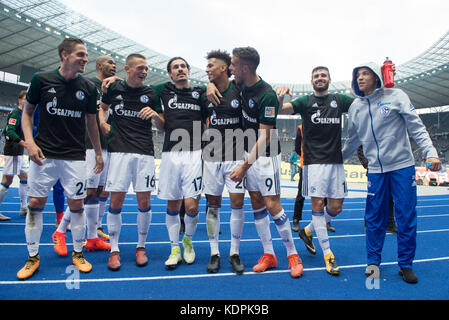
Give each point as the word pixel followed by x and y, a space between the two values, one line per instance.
pixel 228 240
pixel 195 276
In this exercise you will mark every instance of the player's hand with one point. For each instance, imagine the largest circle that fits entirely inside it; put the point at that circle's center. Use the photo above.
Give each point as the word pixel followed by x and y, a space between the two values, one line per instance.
pixel 147 113
pixel 238 173
pixel 282 91
pixel 99 164
pixel 435 164
pixel 108 81
pixel 34 153
pixel 213 94
pixel 105 128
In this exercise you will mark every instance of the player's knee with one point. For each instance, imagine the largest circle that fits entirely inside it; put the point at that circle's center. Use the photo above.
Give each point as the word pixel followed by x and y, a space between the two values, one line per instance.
pixel 7 181
pixel 143 203
pixel 36 202
pixel 214 201
pixel 257 201
pixel 273 204
pixel 75 204
pixel 334 210
pixel 237 200
pixel 317 204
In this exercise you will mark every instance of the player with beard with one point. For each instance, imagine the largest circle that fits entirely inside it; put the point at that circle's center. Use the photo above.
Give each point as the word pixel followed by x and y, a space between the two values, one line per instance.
pixel 323 173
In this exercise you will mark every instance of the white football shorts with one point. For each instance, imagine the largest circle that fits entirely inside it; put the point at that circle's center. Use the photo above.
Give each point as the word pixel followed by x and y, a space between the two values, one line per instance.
pixel 72 174
pixel 216 176
pixel 14 165
pixel 265 176
pixel 127 168
pixel 324 181
pixel 181 175
pixel 93 179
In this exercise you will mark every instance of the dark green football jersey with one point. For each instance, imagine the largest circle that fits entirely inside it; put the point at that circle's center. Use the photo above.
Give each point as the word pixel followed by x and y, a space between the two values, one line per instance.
pixel 184 114
pixel 322 121
pixel 63 106
pixel 224 119
pixel 13 134
pixel 129 133
pixel 103 140
pixel 260 106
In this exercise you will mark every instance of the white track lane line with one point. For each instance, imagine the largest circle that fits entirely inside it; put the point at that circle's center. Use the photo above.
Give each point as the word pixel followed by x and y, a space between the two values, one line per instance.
pixel 194 276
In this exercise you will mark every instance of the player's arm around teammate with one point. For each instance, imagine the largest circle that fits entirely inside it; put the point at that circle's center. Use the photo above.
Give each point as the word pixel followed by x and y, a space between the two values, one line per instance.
pixel 159 120
pixel 262 165
pixel 131 153
pixel 220 157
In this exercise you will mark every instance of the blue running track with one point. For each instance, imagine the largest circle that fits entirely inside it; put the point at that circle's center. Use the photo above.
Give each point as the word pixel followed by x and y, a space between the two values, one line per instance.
pixel 57 280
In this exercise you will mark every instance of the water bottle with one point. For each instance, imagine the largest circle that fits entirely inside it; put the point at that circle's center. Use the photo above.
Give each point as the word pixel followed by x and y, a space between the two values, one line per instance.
pixel 388 72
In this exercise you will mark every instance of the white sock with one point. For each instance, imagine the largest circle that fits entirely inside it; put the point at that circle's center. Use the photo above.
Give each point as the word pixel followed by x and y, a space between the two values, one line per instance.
pixel 78 229
pixel 143 225
pixel 91 210
pixel 114 221
pixel 3 192
pixel 173 223
pixel 65 221
pixel 319 223
pixel 213 228
pixel 237 222
pixel 262 222
pixel 23 193
pixel 328 215
pixel 101 210
pixel 191 222
pixel 310 227
pixel 33 231
pixel 283 225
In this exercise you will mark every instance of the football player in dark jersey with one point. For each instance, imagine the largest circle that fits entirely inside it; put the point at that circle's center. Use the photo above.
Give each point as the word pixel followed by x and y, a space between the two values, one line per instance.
pixel 14 160
pixel 181 166
pixel 130 145
pixel 262 164
pixel 323 172
pixel 95 201
pixel 67 106
pixel 221 156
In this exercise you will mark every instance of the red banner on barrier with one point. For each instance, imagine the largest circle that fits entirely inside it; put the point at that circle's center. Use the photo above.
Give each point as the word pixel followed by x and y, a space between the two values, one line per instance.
pixel 425 175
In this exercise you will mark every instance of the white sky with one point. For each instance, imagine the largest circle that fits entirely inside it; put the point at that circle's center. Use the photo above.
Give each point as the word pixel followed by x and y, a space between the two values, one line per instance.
pixel 291 36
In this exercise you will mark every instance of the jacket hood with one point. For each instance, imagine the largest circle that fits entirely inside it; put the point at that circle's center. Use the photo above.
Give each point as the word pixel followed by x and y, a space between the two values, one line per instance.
pixel 374 67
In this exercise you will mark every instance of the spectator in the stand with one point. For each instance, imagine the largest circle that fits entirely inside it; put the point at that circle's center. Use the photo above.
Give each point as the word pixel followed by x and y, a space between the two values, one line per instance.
pixel 293 160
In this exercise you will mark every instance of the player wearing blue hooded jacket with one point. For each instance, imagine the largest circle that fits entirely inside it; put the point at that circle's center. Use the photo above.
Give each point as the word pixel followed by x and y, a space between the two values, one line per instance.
pixel 381 120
